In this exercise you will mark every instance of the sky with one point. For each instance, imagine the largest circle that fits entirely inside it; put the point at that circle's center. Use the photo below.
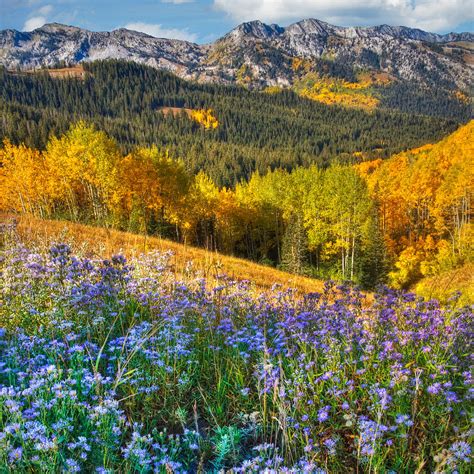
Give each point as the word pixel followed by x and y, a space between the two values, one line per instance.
pixel 204 21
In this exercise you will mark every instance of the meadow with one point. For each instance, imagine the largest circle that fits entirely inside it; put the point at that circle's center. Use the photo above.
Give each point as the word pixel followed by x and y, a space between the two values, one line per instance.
pixel 114 364
pixel 99 242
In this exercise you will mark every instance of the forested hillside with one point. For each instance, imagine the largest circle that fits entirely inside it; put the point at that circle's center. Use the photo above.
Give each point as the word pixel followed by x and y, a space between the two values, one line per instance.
pixel 254 131
pixel 424 199
pixel 395 220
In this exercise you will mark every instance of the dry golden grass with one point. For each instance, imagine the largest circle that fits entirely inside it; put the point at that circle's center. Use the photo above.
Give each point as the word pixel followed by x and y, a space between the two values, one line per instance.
pixel 175 111
pixel 374 77
pixel 462 44
pixel 75 71
pixel 101 242
pixel 98 241
pixel 443 286
pixel 59 73
pixel 469 58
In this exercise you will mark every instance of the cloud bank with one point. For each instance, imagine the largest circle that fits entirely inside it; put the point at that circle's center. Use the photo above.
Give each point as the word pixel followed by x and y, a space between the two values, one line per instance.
pixel 430 15
pixel 38 18
pixel 34 22
pixel 158 31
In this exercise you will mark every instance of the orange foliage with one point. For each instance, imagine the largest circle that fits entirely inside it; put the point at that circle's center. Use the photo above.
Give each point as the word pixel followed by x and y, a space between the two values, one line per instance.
pixel 462 97
pixel 366 168
pixel 424 198
pixel 150 183
pixel 300 64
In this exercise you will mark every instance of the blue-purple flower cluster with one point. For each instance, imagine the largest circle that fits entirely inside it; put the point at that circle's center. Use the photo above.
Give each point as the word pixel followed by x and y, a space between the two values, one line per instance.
pixel 116 366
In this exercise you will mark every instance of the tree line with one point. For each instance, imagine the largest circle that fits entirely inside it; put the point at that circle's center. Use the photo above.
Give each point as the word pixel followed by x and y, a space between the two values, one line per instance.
pixel 394 220
pixel 256 131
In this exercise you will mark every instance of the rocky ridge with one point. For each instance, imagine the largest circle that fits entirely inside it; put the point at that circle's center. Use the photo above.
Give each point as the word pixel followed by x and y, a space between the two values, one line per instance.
pixel 257 54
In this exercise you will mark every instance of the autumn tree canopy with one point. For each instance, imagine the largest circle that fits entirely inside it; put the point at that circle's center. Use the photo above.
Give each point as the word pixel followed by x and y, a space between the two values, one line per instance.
pixel 410 214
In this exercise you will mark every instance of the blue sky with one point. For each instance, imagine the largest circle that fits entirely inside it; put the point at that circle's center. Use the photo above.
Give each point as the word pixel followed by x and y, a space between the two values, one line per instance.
pixel 205 20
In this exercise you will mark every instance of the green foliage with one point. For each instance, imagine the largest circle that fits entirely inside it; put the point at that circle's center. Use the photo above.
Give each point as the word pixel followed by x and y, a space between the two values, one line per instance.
pixel 374 262
pixel 434 101
pixel 256 131
pixel 294 247
pixel 227 442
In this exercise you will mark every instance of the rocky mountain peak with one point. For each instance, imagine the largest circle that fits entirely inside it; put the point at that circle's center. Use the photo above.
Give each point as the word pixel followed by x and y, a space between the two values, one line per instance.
pixel 57 28
pixel 256 53
pixel 310 26
pixel 256 29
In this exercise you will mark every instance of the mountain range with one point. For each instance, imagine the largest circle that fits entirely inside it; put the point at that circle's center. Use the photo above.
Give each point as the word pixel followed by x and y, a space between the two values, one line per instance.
pixel 259 55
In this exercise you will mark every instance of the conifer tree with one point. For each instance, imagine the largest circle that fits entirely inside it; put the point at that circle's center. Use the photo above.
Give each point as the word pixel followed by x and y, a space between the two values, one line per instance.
pixel 294 248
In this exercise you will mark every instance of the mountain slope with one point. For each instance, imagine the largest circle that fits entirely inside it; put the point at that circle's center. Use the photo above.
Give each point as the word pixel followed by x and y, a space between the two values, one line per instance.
pixel 54 43
pixel 107 242
pixel 262 53
pixel 424 197
pixel 405 53
pixel 256 130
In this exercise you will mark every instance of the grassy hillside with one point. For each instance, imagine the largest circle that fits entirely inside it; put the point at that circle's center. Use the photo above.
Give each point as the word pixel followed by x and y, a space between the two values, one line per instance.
pixel 92 240
pixel 102 242
pixel 442 287
pixel 118 366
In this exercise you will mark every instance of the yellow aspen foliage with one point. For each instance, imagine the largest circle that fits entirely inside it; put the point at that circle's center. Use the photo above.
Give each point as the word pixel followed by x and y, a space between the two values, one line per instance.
pixel 407 268
pixel 150 183
pixel 27 183
pixel 300 64
pixel 201 202
pixel 206 118
pixel 332 91
pixel 424 198
pixel 272 90
pixel 230 218
pixel 296 64
pixel 84 160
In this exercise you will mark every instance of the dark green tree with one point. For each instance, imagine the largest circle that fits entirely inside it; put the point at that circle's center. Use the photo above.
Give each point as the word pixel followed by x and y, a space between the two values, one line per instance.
pixel 294 246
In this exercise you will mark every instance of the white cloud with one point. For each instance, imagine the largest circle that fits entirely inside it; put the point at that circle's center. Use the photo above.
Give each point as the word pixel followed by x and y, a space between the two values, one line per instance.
pixel 432 15
pixel 33 23
pixel 158 31
pixel 38 18
pixel 45 10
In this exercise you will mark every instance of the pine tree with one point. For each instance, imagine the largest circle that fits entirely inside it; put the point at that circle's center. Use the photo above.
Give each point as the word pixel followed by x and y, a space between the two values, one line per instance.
pixel 374 260
pixel 294 248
